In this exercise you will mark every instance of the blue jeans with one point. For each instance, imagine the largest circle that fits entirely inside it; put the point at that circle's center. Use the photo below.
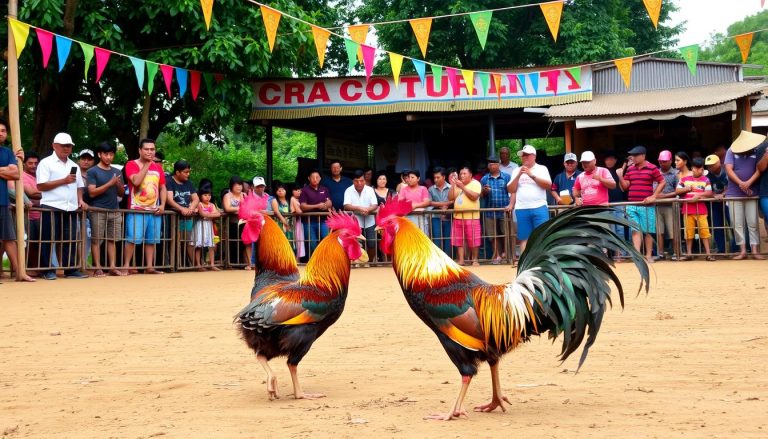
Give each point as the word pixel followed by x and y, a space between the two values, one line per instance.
pixel 315 230
pixel 719 222
pixel 441 234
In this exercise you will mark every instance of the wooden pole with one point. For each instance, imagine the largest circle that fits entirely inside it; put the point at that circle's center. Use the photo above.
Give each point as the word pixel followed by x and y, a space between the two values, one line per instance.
pixel 13 121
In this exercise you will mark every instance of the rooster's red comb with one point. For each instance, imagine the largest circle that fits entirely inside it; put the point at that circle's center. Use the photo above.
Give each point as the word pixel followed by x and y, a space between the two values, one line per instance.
pixel 250 205
pixel 394 207
pixel 346 221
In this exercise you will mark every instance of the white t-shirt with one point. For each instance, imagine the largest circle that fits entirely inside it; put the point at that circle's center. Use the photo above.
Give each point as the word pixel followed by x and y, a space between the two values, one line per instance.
pixel 510 168
pixel 529 194
pixel 63 197
pixel 366 198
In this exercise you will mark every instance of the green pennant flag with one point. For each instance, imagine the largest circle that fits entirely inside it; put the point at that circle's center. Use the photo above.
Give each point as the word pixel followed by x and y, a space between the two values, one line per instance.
pixel 437 77
pixel 691 56
pixel 485 80
pixel 208 78
pixel 88 54
pixel 482 22
pixel 151 72
pixel 575 72
pixel 351 47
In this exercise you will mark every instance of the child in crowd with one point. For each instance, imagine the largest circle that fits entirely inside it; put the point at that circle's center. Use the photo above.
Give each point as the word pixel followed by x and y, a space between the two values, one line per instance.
pixel 298 230
pixel 204 236
pixel 281 206
pixel 695 187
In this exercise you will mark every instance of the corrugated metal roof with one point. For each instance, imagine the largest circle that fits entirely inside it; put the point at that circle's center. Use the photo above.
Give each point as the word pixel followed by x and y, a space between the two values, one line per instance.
pixel 659 100
pixel 761 106
pixel 661 74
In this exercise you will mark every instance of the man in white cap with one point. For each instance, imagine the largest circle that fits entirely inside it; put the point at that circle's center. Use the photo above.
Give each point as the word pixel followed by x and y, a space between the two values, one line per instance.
pixel 61 186
pixel 741 167
pixel 529 186
pixel 564 181
pixel 592 185
pixel 664 211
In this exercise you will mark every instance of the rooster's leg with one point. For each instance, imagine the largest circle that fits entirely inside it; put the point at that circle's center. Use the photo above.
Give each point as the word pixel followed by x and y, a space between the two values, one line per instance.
pixel 498 399
pixel 297 392
pixel 458 409
pixel 271 378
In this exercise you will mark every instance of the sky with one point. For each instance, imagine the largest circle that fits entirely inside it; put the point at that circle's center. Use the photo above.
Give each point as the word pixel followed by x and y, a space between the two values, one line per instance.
pixel 705 17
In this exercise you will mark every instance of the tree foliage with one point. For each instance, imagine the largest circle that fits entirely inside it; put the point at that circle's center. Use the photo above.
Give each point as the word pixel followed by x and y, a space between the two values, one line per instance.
pixel 724 49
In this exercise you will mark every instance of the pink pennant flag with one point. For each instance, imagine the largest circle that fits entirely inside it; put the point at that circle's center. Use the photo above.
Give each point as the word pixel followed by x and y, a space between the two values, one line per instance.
pixel 194 83
pixel 451 72
pixel 167 76
pixel 45 39
pixel 102 58
pixel 369 53
pixel 512 82
pixel 553 77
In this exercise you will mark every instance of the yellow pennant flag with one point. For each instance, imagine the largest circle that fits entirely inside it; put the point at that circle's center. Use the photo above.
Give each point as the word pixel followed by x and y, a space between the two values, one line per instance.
pixel 421 27
pixel 321 42
pixel 469 80
pixel 552 13
pixel 396 61
pixel 358 33
pixel 744 41
pixel 624 66
pixel 20 33
pixel 271 21
pixel 207 11
pixel 654 9
pixel 497 82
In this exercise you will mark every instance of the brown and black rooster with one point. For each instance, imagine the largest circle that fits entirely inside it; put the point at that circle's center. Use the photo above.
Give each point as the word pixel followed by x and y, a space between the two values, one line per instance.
pixel 561 288
pixel 288 312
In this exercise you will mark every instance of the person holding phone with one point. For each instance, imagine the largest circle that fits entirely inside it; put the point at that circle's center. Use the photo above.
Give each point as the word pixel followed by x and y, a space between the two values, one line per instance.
pixel 61 188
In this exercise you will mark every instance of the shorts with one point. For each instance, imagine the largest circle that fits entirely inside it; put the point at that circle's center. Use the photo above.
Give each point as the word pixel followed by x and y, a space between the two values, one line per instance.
pixel 468 230
pixel 644 217
pixel 7 225
pixel 529 219
pixel 143 228
pixel 691 222
pixel 370 237
pixel 494 227
pixel 106 225
pixel 185 225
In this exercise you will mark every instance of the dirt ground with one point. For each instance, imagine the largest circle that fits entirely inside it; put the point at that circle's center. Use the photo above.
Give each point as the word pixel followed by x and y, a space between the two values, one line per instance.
pixel 151 356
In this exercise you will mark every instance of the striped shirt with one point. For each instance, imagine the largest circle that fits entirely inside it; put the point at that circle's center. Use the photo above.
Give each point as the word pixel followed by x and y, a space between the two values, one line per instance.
pixel 641 181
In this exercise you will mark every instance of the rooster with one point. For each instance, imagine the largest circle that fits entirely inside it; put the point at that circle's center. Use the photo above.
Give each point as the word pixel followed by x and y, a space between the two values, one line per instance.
pixel 288 312
pixel 561 287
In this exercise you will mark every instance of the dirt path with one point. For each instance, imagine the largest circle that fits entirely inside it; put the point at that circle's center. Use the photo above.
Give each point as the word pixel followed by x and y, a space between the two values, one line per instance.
pixel 158 356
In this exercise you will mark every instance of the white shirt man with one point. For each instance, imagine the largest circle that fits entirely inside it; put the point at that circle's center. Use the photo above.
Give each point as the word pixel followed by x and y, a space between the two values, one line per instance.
pixel 361 200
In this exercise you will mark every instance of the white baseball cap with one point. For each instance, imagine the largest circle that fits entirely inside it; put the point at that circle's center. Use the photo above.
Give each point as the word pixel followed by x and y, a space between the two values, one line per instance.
pixel 527 149
pixel 587 156
pixel 569 156
pixel 63 139
pixel 258 181
pixel 86 152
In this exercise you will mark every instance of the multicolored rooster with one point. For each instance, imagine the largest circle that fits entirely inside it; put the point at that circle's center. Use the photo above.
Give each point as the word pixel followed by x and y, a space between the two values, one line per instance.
pixel 562 287
pixel 288 312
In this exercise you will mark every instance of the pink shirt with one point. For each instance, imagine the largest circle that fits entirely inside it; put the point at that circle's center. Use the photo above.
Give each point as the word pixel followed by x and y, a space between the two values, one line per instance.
pixel 31 181
pixel 417 195
pixel 593 192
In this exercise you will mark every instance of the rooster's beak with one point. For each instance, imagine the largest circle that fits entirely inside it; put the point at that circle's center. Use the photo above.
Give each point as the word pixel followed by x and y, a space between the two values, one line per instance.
pixel 360 238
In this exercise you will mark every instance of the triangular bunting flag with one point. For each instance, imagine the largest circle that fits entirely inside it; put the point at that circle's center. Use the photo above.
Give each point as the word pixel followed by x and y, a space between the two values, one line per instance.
pixel 45 39
pixel 20 34
pixel 151 72
pixel 207 6
pixel 512 82
pixel 451 72
pixel 482 22
pixel 138 67
pixel 396 61
pixel 321 42
pixel 553 80
pixel 88 55
pixel 552 13
pixel 575 73
pixel 484 82
pixel 181 78
pixel 624 66
pixel 369 59
pixel 654 9
pixel 209 86
pixel 63 46
pixel 691 56
pixel 437 77
pixel 167 72
pixel 351 47
pixel 497 84
pixel 271 21
pixel 421 70
pixel 358 33
pixel 102 58
pixel 469 81
pixel 421 27
pixel 744 41
pixel 194 84
pixel 534 77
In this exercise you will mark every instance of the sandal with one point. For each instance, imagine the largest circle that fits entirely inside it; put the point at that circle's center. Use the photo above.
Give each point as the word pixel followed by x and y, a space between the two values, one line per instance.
pixel 739 257
pixel 153 271
pixel 98 273
pixel 116 272
pixel 710 258
pixel 683 258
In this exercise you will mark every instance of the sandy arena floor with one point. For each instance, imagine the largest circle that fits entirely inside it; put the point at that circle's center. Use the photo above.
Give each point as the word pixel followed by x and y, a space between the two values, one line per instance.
pixel 151 356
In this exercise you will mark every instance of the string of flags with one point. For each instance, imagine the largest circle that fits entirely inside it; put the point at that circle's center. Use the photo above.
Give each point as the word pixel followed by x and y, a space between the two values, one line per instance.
pixel 185 78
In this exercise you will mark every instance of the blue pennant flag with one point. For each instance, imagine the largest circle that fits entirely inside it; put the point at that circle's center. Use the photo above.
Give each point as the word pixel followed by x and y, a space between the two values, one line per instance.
pixel 138 67
pixel 181 78
pixel 421 70
pixel 535 82
pixel 63 44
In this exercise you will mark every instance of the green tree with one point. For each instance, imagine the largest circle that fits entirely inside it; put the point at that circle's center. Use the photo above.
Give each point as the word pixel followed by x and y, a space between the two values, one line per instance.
pixel 723 49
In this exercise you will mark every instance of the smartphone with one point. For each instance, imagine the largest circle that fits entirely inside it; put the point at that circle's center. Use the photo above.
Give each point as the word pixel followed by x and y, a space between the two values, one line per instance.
pixel 73 170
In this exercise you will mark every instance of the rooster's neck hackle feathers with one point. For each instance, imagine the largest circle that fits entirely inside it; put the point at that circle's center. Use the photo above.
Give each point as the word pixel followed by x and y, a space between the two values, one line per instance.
pixel 328 268
pixel 419 264
pixel 274 251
